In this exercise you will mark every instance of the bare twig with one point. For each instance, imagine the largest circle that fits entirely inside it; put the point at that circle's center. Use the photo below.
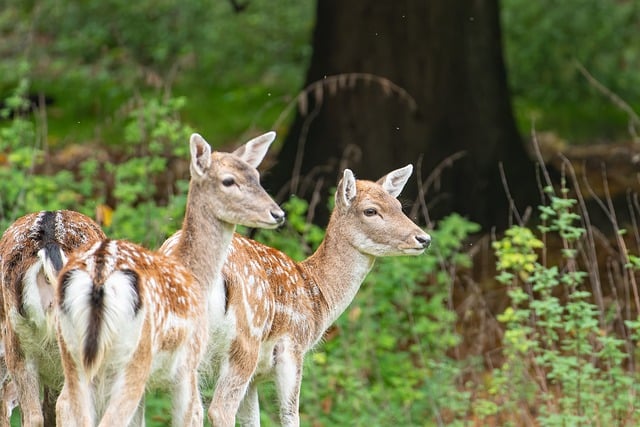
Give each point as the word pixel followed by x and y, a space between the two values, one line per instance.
pixel 545 174
pixel 302 139
pixel 341 81
pixel 636 205
pixel 512 204
pixel 610 213
pixel 42 128
pixel 634 119
pixel 536 148
pixel 421 194
pixel 434 177
pixel 590 248
pixel 316 197
pixel 629 344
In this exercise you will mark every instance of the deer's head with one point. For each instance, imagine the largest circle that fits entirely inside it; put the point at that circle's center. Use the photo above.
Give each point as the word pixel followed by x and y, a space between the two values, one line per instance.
pixel 229 183
pixel 371 216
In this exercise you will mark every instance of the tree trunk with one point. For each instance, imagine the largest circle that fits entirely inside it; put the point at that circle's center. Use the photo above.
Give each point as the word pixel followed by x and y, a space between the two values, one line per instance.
pixel 447 56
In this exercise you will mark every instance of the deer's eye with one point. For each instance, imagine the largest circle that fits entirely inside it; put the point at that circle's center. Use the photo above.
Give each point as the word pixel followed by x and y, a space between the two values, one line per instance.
pixel 370 212
pixel 228 182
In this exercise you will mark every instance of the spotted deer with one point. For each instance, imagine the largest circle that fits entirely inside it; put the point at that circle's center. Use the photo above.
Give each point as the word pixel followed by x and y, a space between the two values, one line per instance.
pixel 277 309
pixel 131 318
pixel 32 251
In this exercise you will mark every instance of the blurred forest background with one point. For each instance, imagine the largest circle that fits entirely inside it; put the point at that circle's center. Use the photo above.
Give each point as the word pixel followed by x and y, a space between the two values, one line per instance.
pixel 521 118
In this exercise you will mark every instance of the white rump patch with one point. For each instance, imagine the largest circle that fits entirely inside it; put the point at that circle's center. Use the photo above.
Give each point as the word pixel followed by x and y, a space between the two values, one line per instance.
pixel 120 329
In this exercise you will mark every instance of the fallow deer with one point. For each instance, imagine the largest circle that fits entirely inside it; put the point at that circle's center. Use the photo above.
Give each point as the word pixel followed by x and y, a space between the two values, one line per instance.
pixel 130 317
pixel 32 251
pixel 277 309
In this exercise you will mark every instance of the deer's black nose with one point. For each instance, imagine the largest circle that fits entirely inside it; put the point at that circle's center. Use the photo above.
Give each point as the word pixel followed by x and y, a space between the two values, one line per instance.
pixel 278 216
pixel 424 240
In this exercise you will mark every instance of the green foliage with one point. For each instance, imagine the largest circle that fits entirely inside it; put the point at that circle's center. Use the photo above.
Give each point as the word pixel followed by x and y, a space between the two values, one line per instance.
pixel 297 237
pixel 21 152
pixel 154 135
pixel 544 38
pixel 543 41
pixel 239 68
pixel 558 355
pixel 92 58
pixel 155 35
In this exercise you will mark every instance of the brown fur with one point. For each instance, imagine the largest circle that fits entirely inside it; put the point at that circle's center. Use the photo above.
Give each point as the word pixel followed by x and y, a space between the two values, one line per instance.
pixel 19 246
pixel 224 190
pixel 165 289
pixel 278 309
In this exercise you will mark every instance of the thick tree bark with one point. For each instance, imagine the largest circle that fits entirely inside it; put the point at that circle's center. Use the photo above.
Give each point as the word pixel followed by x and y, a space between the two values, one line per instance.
pixel 447 55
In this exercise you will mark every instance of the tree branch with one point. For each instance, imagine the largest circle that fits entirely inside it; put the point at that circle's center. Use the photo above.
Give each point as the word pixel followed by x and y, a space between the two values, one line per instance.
pixel 634 119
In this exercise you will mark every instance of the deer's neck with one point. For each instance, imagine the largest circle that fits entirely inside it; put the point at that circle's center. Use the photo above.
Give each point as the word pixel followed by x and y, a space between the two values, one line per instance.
pixel 204 242
pixel 338 269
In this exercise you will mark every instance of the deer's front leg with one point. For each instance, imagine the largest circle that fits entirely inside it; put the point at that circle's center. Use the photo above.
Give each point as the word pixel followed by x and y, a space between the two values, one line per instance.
pixel 249 411
pixel 187 404
pixel 236 369
pixel 288 377
pixel 8 399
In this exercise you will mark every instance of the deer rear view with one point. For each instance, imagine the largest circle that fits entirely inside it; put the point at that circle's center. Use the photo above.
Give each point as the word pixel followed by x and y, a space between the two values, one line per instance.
pixel 32 251
pixel 278 309
pixel 131 318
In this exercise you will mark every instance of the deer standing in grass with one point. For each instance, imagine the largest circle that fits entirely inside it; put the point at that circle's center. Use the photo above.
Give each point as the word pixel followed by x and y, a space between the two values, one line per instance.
pixel 130 317
pixel 277 309
pixel 32 252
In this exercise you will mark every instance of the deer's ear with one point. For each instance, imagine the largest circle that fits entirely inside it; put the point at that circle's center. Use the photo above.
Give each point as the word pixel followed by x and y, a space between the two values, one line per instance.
pixel 200 155
pixel 346 191
pixel 394 181
pixel 254 150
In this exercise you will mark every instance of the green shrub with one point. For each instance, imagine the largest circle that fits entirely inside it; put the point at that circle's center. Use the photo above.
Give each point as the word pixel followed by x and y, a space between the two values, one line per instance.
pixel 144 210
pixel 21 151
pixel 154 135
pixel 560 360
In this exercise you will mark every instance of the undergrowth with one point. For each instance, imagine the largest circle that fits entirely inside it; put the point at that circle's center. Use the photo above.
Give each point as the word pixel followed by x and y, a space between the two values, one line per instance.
pixel 123 194
pixel 564 361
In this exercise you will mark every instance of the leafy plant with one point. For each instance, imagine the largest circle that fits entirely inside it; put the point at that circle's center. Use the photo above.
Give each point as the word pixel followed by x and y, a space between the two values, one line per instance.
pixel 155 136
pixel 91 59
pixel 144 210
pixel 23 190
pixel 558 355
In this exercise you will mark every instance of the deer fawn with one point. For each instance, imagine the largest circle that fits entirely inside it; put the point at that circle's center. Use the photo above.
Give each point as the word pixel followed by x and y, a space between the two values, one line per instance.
pixel 130 317
pixel 32 251
pixel 277 309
